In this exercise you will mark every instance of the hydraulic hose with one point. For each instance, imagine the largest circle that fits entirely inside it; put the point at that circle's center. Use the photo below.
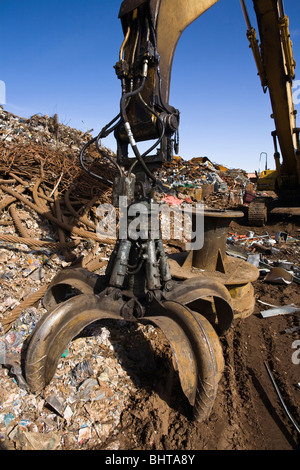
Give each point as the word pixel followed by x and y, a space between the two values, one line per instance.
pixel 83 150
pixel 159 139
pixel 128 128
pixel 103 133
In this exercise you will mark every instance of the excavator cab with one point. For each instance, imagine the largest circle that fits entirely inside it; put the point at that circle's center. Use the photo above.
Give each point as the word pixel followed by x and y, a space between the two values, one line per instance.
pixel 267 180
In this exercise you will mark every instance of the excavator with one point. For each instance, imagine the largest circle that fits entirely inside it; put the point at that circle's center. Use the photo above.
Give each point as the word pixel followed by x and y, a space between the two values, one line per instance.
pixel 275 63
pixel 194 303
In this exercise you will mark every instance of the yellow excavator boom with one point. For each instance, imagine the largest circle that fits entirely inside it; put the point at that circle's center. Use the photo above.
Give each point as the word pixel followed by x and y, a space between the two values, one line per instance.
pixel 276 68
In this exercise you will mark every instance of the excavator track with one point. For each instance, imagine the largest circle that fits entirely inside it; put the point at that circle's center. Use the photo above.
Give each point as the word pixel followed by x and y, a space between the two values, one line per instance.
pixel 257 214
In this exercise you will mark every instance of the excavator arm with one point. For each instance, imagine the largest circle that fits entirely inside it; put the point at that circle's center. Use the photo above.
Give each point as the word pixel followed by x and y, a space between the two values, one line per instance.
pixel 276 68
pixel 152 29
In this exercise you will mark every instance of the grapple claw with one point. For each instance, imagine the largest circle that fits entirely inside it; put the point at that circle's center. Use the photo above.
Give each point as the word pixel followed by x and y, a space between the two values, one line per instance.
pixel 197 352
pixel 69 282
pixel 193 340
pixel 208 297
pixel 56 329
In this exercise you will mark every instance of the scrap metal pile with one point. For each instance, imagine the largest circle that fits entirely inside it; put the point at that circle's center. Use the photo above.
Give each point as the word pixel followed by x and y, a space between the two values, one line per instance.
pixel 47 202
pixel 268 253
pixel 40 147
pixel 207 182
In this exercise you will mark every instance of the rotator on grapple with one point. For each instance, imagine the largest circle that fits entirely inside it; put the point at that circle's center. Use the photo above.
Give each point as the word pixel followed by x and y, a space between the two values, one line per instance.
pixel 192 311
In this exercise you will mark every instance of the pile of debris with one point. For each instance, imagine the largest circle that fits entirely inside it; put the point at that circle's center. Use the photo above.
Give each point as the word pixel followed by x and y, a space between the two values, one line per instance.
pixel 39 129
pixel 266 252
pixel 204 181
pixel 42 129
pixel 41 147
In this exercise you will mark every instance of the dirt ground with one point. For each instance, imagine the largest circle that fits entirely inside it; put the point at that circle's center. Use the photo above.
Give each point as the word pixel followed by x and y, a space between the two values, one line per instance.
pixel 247 414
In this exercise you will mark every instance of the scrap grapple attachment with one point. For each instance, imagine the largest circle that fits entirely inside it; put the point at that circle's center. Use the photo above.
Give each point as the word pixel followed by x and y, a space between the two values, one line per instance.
pixel 194 340
pixel 139 285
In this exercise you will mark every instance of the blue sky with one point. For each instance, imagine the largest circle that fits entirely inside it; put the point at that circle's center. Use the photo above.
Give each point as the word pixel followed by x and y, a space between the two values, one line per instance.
pixel 57 56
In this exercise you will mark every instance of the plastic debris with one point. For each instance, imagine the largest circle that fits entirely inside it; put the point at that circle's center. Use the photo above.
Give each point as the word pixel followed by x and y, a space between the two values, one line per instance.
pixel 280 311
pixel 27 440
pixel 254 259
pixel 172 200
pixel 279 275
pixel 56 403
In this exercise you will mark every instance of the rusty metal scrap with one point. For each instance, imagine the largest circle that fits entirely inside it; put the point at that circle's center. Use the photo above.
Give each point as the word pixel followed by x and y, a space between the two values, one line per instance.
pixel 35 160
pixel 45 213
pixel 40 170
pixel 43 147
